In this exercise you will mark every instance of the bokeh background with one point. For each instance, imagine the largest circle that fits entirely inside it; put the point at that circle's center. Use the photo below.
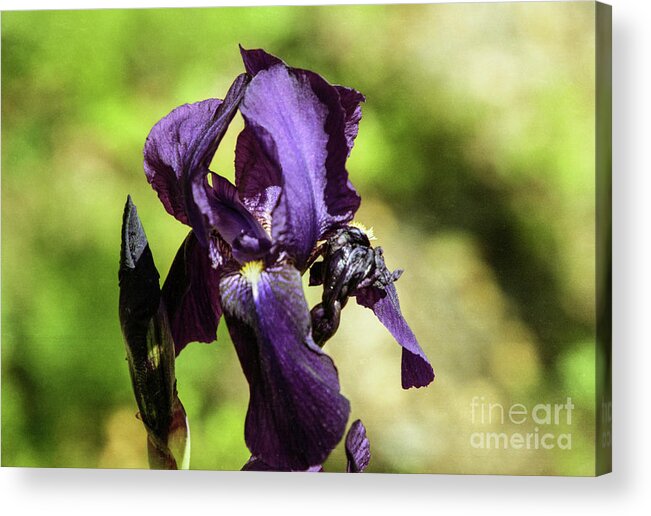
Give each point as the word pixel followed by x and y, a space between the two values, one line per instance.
pixel 475 162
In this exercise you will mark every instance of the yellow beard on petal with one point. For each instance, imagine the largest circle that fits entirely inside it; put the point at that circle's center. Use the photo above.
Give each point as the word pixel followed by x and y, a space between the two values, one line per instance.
pixel 251 272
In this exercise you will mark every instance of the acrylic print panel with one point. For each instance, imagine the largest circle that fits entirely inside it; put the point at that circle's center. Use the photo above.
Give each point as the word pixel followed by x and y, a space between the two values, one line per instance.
pixel 254 306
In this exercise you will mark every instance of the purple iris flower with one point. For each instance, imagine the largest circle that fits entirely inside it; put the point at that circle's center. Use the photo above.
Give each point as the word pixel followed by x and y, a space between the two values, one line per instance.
pixel 251 242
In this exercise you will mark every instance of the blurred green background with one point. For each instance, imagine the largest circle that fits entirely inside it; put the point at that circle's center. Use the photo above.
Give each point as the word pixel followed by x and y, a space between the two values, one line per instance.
pixel 475 162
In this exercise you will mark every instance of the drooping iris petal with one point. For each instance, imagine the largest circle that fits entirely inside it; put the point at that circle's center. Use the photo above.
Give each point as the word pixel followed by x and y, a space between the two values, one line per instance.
pixel 296 413
pixel 300 124
pixel 358 448
pixel 256 464
pixel 416 369
pixel 191 295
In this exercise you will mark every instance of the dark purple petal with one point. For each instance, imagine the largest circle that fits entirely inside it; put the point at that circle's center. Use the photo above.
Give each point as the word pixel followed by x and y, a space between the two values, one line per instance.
pixel 257 178
pixel 256 60
pixel 234 223
pixel 218 208
pixel 300 125
pixel 206 145
pixel 296 414
pixel 256 464
pixel 191 295
pixel 287 119
pixel 178 152
pixel 351 102
pixel 169 150
pixel 416 369
pixel 358 448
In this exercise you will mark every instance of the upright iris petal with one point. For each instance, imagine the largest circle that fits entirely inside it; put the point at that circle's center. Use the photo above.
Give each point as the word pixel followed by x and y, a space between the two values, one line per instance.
pixel 350 99
pixel 168 150
pixel 296 414
pixel 351 102
pixel 300 126
pixel 177 154
pixel 257 177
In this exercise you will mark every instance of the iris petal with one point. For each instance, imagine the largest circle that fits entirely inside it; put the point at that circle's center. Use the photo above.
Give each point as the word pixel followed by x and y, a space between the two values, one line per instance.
pixel 169 149
pixel 235 224
pixel 191 295
pixel 358 448
pixel 177 154
pixel 256 60
pixel 296 413
pixel 416 369
pixel 257 177
pixel 196 189
pixel 351 102
pixel 300 125
pixel 257 464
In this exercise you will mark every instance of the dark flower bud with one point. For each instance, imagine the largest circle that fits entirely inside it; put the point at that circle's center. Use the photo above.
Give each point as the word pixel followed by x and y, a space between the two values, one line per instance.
pixel 149 346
